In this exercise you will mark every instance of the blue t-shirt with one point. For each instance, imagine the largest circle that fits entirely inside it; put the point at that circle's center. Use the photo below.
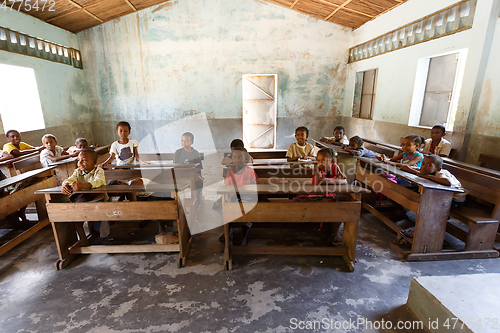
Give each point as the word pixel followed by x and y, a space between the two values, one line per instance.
pixel 410 157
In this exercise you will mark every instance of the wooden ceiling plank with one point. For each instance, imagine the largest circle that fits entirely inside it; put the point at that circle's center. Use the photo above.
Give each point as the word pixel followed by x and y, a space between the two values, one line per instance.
pixel 86 11
pixel 131 5
pixel 388 9
pixel 357 12
pixel 63 15
pixel 293 4
pixel 338 8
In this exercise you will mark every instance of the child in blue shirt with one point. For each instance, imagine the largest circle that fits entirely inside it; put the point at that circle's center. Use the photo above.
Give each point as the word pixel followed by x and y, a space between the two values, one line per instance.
pixel 410 155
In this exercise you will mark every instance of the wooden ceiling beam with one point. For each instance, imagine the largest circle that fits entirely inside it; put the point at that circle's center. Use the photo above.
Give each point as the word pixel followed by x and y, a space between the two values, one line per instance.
pixel 338 8
pixel 293 4
pixel 131 5
pixel 85 10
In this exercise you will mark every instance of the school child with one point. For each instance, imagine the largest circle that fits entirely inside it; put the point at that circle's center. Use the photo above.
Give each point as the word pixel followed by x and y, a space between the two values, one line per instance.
pixel 52 152
pixel 87 175
pixel 4 156
pixel 125 149
pixel 236 143
pixel 357 148
pixel 240 174
pixel 437 144
pixel 338 138
pixel 188 154
pixel 80 144
pixel 410 156
pixel 300 149
pixel 16 147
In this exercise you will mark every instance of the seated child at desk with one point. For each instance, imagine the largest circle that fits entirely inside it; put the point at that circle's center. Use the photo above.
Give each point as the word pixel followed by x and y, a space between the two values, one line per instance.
pixel 437 144
pixel 188 154
pixel 52 152
pixel 125 149
pixel 88 175
pixel 16 147
pixel 357 148
pixel 4 156
pixel 236 143
pixel 338 138
pixel 80 144
pixel 300 149
pixel 410 155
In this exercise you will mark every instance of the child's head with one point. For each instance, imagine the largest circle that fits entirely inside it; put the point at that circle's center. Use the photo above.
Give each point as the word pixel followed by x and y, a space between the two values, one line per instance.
pixel 49 141
pixel 437 132
pixel 123 129
pixel 239 156
pixel 411 143
pixel 324 157
pixel 187 140
pixel 431 164
pixel 237 143
pixel 13 136
pixel 338 132
pixel 87 160
pixel 355 142
pixel 301 135
pixel 81 143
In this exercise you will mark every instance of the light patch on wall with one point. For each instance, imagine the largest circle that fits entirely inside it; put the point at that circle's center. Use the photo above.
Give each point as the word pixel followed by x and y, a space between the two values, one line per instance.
pixel 20 108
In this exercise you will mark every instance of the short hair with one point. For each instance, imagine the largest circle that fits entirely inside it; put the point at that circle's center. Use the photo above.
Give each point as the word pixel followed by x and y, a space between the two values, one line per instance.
pixel 356 139
pixel 417 139
pixel 10 131
pixel 245 153
pixel 438 161
pixel 340 128
pixel 93 153
pixel 237 143
pixel 49 136
pixel 189 135
pixel 77 141
pixel 302 128
pixel 123 123
pixel 327 151
pixel 441 127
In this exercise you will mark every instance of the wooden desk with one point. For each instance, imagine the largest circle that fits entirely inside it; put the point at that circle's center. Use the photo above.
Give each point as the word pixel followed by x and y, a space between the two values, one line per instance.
pixel 154 164
pixel 431 204
pixel 61 214
pixel 162 156
pixel 286 210
pixel 261 154
pixel 15 201
pixel 345 160
pixel 472 167
pixel 280 171
pixel 7 167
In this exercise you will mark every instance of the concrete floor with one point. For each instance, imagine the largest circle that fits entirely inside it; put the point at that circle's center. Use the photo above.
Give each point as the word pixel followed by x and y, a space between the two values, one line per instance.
pixel 147 293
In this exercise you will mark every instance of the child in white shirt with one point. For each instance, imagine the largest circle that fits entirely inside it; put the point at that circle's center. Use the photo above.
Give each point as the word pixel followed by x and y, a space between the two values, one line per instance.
pixel 300 149
pixel 52 152
pixel 125 149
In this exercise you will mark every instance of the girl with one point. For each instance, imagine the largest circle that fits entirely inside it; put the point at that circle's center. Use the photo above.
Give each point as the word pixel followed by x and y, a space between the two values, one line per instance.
pixel 410 155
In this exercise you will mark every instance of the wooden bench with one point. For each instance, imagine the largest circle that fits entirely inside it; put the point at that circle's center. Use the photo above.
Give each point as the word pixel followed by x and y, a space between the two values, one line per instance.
pixel 15 201
pixel 287 211
pixel 62 214
pixel 481 212
pixel 472 167
pixel 485 159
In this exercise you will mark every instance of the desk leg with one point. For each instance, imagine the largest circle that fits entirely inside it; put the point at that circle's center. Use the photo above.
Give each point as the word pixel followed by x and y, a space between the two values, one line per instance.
pixel 65 235
pixel 350 235
pixel 184 234
pixel 228 260
pixel 432 216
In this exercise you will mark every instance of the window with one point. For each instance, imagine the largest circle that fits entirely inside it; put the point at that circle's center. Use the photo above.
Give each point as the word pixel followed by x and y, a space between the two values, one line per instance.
pixel 20 108
pixel 437 89
pixel 364 94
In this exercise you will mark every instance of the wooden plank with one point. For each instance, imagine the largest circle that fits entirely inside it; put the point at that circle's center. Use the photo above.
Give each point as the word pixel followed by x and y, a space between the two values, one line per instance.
pixel 131 5
pixel 489 159
pixel 162 156
pixel 291 250
pixel 277 186
pixel 143 248
pixel 472 167
pixel 22 237
pixel 27 175
pixel 481 236
pixel 338 8
pixel 28 164
pixel 122 189
pixel 112 211
pixel 303 212
pixel 478 185
pixel 459 255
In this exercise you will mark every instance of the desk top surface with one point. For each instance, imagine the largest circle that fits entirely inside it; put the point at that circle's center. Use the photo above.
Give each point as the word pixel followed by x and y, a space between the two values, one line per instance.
pixel 383 144
pixel 273 162
pixel 290 188
pixel 27 175
pixel 154 164
pixel 408 176
pixel 472 167
pixel 15 159
pixel 121 189
pixel 335 148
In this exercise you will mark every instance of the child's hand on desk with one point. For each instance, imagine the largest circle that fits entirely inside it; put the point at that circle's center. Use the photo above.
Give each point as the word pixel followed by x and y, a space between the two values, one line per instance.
pixel 382 158
pixel 76 186
pixel 407 169
pixel 144 162
pixel 66 189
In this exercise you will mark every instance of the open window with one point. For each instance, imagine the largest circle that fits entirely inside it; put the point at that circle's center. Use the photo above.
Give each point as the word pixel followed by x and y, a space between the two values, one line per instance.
pixel 364 94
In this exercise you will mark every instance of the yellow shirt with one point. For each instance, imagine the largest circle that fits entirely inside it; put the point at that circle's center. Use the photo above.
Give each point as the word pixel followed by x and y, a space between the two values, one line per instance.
pixel 94 177
pixel 8 147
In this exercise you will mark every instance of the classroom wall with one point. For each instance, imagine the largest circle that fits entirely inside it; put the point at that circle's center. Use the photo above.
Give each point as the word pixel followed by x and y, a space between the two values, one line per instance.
pixel 62 90
pixel 397 71
pixel 185 58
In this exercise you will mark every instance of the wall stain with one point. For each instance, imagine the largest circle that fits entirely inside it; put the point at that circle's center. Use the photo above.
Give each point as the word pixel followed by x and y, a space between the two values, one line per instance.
pixel 165 6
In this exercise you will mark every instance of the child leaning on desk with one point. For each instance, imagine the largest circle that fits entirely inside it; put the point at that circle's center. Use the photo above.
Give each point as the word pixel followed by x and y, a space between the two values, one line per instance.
pixel 125 149
pixel 16 147
pixel 87 176
pixel 187 154
pixel 52 152
pixel 300 149
pixel 80 144
pixel 236 143
pixel 410 155
pixel 357 148
pixel 338 138
pixel 437 144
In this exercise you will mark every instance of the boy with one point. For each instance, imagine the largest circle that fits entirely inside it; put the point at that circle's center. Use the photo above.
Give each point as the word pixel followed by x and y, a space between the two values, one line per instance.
pixel 357 148
pixel 300 149
pixel 432 169
pixel 437 144
pixel 188 154
pixel 338 138
pixel 16 147
pixel 236 143
pixel 124 149
pixel 52 152
pixel 87 176
pixel 80 144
